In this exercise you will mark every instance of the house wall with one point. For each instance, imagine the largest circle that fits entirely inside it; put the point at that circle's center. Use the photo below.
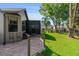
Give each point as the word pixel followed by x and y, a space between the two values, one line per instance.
pixel 23 18
pixel 12 36
pixel 22 14
pixel 1 27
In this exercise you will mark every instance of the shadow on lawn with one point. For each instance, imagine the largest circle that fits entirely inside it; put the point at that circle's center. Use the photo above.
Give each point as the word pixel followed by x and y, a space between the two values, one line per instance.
pixel 49 37
pixel 76 38
pixel 48 52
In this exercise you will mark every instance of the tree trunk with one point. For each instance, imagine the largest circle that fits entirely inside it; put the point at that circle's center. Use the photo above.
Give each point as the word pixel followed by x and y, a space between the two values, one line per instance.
pixel 72 14
pixel 46 29
pixel 56 29
pixel 59 28
pixel 55 23
pixel 71 33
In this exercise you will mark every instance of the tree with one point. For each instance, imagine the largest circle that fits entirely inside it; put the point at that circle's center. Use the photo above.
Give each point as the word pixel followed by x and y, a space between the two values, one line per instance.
pixel 55 12
pixel 77 18
pixel 72 19
pixel 46 22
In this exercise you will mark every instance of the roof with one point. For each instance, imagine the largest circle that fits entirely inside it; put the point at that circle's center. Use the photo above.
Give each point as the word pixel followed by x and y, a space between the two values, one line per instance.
pixel 11 10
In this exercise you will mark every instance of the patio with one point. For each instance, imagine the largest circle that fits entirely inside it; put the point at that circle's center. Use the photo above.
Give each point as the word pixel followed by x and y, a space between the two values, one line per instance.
pixel 20 48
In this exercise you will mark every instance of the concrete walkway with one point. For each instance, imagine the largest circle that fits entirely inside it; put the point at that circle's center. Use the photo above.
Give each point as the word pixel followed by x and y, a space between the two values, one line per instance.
pixel 20 48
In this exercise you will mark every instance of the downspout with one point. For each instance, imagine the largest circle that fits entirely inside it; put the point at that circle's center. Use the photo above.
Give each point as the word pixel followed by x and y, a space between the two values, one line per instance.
pixel 27 22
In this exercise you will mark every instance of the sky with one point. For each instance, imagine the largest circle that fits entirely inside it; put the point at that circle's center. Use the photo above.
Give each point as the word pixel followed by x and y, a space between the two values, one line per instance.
pixel 32 9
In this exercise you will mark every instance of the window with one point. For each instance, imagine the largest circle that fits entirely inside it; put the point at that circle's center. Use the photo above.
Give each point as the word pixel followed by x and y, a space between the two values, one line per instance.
pixel 13 25
pixel 23 26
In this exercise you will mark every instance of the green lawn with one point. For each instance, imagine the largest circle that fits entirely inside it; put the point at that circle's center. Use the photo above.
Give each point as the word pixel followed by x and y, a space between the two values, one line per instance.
pixel 60 45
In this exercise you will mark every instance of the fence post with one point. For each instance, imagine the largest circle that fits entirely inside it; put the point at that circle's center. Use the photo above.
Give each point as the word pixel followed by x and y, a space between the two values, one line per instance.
pixel 28 49
pixel 43 34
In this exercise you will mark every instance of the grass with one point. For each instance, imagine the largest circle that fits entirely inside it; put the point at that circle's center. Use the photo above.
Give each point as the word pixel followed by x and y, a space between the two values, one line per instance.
pixel 60 45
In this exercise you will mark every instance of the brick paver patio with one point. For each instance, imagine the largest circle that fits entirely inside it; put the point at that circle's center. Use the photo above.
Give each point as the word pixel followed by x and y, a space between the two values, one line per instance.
pixel 20 48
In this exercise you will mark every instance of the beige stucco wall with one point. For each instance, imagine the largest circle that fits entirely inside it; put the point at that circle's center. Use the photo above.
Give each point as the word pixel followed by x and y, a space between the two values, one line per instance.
pixel 13 36
pixel 23 17
pixel 1 27
pixel 22 14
